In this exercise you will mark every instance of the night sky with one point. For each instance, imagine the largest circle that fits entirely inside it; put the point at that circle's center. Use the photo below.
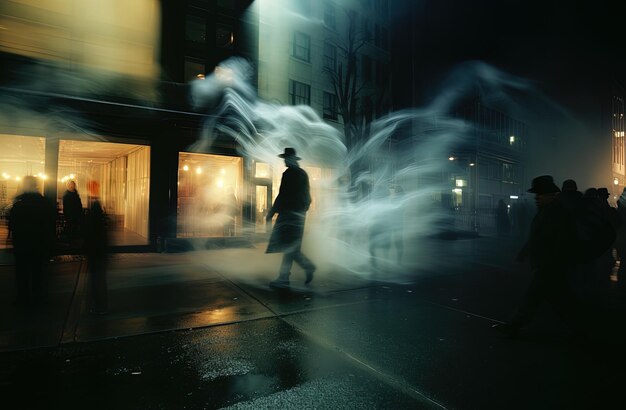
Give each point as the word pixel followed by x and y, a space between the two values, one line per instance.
pixel 562 46
pixel 573 54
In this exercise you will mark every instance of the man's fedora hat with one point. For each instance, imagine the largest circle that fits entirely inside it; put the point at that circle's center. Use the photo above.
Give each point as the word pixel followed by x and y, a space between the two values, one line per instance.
pixel 289 153
pixel 544 185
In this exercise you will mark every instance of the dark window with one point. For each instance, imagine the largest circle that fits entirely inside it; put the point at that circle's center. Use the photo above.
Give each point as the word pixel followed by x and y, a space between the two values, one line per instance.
pixel 299 93
pixel 224 37
pixel 194 69
pixel 329 15
pixel 301 46
pixel 330 56
pixel 330 106
pixel 195 29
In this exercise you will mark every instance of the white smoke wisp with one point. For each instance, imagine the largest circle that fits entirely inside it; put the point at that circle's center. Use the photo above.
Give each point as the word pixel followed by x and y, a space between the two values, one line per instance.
pixel 375 218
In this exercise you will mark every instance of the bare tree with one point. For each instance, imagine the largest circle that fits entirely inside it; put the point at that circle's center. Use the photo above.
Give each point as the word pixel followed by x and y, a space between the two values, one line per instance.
pixel 347 84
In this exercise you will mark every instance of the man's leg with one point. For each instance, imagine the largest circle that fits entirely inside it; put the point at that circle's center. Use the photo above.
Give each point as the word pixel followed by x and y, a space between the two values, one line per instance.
pixel 285 270
pixel 306 264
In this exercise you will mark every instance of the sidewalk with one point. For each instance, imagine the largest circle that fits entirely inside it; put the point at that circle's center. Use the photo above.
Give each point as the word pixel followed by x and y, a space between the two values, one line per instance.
pixel 155 292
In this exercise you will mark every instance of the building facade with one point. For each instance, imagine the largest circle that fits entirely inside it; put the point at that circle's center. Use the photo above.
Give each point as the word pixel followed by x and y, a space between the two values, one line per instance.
pixel 104 95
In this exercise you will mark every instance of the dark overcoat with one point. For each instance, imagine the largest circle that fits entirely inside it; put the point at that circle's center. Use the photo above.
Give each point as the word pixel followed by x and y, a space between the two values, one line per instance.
pixel 291 204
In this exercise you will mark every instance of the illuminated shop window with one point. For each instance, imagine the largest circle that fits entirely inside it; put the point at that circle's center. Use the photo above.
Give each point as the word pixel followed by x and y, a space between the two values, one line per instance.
pixel 262 170
pixel 210 193
pixel 123 174
pixel 21 156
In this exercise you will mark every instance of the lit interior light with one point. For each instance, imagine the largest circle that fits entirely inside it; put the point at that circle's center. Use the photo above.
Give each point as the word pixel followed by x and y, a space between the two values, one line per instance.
pixel 200 76
pixel 5 175
pixel 615 181
pixel 186 168
pixel 18 178
pixel 512 139
pixel 472 164
pixel 198 170
pixel 513 197
pixel 451 158
pixel 220 183
pixel 44 176
pixel 72 176
pixel 223 171
pixel 457 190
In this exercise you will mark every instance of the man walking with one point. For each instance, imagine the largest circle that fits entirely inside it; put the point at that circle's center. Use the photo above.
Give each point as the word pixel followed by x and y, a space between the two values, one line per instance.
pixel 552 238
pixel 291 205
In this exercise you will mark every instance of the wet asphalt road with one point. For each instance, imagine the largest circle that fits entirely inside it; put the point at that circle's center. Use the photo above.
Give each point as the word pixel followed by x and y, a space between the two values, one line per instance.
pixel 426 343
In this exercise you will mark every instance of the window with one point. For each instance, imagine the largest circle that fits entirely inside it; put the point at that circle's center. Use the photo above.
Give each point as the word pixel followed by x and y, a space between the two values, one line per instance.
pixel 210 193
pixel 330 57
pixel 329 15
pixel 195 29
pixel 510 173
pixel 224 37
pixel 330 106
pixel 299 93
pixel 194 69
pixel 301 46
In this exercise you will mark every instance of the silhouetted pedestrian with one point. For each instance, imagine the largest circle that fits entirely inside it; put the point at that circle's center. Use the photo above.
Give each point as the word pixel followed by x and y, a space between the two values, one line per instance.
pixel 398 221
pixel 32 228
pixel 620 241
pixel 551 240
pixel 72 211
pixel 291 205
pixel 503 223
pixel 96 248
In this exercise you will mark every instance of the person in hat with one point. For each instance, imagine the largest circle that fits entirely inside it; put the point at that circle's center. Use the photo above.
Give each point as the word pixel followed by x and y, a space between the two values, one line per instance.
pixel 551 240
pixel 291 205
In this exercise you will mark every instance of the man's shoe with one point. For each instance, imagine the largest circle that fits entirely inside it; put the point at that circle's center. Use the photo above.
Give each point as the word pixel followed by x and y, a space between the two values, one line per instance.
pixel 279 283
pixel 309 276
pixel 507 329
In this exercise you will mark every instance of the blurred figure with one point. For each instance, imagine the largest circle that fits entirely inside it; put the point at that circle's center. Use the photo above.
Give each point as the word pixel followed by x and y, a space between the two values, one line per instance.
pixel 291 204
pixel 572 199
pixel 388 230
pixel 503 223
pixel 96 244
pixel 32 227
pixel 620 241
pixel 380 232
pixel 397 222
pixel 552 238
pixel 72 211
pixel 230 210
pixel 605 262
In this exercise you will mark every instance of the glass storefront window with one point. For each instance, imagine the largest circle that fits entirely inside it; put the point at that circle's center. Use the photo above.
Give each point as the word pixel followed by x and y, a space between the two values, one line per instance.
pixel 262 170
pixel 21 156
pixel 210 193
pixel 123 173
